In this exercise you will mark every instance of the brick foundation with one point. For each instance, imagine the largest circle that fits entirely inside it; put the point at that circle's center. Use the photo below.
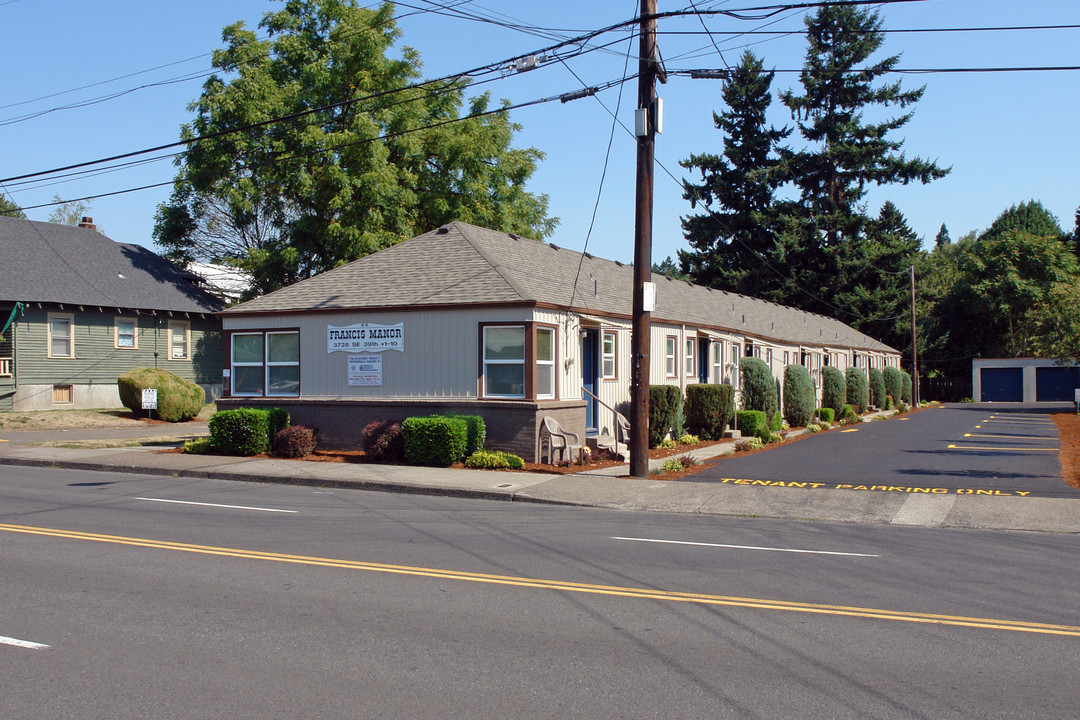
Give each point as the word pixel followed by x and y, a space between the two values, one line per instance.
pixel 512 426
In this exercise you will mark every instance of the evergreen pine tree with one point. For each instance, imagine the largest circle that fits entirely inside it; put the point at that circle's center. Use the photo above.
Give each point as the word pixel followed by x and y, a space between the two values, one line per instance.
pixel 732 236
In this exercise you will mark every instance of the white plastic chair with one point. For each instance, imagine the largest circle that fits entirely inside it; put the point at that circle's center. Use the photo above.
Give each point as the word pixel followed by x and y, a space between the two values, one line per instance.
pixel 558 438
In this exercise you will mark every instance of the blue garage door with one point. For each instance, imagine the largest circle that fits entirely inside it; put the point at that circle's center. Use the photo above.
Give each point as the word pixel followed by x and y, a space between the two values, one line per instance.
pixel 1056 384
pixel 1002 385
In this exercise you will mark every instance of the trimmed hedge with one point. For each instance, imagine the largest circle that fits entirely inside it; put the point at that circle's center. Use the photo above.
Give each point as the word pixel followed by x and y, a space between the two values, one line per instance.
pixel 753 423
pixel 709 409
pixel 858 389
pixel 758 386
pixel 476 433
pixel 905 386
pixel 827 414
pixel 833 388
pixel 799 399
pixel 244 431
pixel 383 441
pixel 435 441
pixel 177 399
pixel 877 389
pixel 664 402
pixel 494 460
pixel 894 383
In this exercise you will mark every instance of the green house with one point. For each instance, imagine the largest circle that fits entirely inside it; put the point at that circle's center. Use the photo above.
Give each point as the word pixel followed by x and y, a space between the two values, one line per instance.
pixel 78 310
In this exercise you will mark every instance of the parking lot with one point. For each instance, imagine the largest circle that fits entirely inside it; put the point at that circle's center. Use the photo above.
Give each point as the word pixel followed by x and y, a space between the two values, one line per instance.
pixel 994 449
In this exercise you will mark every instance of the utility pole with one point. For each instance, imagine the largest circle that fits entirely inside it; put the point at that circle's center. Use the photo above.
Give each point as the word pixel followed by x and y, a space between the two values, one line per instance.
pixel 914 347
pixel 642 332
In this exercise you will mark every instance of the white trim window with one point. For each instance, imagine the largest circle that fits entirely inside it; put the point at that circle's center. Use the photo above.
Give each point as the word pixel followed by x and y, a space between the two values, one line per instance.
pixel 504 361
pixel 718 362
pixel 265 364
pixel 735 355
pixel 283 364
pixel 61 343
pixel 179 340
pixel 669 356
pixel 608 356
pixel 545 363
pixel 688 360
pixel 125 335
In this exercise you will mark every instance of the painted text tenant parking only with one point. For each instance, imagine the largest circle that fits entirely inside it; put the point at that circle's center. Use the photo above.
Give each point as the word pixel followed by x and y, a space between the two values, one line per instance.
pixel 877 488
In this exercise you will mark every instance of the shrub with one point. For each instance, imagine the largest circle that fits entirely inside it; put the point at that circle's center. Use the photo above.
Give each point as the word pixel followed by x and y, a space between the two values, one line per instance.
pixel 709 409
pixel 277 420
pixel 664 401
pixel 494 460
pixel 775 437
pixel 244 431
pixel 295 441
pixel 750 443
pixel 383 441
pixel 177 399
pixel 877 388
pixel 198 446
pixel 776 424
pixel 437 441
pixel 799 397
pixel 759 387
pixel 477 433
pixel 905 386
pixel 669 443
pixel 827 415
pixel 752 423
pixel 858 389
pixel 894 383
pixel 688 439
pixel 849 417
pixel 812 428
pixel 833 388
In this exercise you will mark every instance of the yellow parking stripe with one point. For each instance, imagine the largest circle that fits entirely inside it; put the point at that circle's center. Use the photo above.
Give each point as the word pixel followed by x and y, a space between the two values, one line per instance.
pixel 565 586
pixel 1006 449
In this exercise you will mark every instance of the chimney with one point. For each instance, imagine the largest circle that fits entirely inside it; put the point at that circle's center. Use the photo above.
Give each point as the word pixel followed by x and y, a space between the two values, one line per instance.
pixel 88 223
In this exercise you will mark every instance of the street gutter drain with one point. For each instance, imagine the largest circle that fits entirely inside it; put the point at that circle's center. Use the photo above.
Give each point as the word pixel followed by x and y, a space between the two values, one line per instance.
pixel 505 485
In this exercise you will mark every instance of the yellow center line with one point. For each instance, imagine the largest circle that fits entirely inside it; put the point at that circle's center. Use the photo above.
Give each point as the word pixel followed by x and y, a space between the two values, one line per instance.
pixel 1007 449
pixel 564 586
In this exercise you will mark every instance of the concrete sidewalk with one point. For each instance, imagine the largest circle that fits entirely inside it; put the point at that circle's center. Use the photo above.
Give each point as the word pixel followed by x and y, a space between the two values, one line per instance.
pixel 607 488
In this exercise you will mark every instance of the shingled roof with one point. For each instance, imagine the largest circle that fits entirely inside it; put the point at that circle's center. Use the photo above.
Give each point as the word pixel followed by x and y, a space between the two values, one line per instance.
pixel 47 263
pixel 462 264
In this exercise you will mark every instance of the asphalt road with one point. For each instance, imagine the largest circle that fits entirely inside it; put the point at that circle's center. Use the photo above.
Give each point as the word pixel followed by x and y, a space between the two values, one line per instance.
pixel 984 449
pixel 177 598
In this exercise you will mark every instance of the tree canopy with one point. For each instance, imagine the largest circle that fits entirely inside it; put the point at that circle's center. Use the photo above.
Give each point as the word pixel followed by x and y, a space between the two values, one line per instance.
pixel 314 147
pixel 9 208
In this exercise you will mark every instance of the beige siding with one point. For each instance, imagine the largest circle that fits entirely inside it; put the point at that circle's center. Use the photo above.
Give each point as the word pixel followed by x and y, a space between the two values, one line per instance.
pixel 440 360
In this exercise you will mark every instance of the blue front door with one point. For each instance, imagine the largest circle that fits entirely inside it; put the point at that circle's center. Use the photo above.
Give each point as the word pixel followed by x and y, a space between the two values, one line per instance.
pixel 590 367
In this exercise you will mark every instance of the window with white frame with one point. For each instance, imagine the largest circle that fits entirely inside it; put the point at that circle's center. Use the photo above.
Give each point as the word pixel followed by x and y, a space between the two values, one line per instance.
pixel 179 340
pixel 787 358
pixel 282 364
pixel 608 356
pixel 504 361
pixel 265 364
pixel 735 355
pixel 688 359
pixel 124 336
pixel 61 336
pixel 669 356
pixel 545 363
pixel 718 362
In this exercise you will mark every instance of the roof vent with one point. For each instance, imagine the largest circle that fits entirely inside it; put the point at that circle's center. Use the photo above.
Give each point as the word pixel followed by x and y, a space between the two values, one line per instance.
pixel 444 230
pixel 88 223
pixel 513 236
pixel 618 263
pixel 587 255
pixel 553 246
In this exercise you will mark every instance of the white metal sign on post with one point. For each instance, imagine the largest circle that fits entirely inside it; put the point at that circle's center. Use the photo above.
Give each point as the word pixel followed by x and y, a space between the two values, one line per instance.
pixel 149 401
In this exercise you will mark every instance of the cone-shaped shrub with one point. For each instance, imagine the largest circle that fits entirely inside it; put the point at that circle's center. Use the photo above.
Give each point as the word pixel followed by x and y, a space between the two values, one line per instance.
pixel 877 388
pixel 894 383
pixel 858 389
pixel 709 409
pixel 833 389
pixel 664 403
pixel 905 386
pixel 758 387
pixel 799 398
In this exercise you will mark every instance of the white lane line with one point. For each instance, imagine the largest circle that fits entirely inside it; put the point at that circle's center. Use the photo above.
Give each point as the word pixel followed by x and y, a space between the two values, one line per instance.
pixel 746 547
pixel 22 643
pixel 229 507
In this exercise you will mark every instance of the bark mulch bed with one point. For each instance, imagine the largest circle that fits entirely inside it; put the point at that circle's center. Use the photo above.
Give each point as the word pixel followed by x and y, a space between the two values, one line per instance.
pixel 1068 425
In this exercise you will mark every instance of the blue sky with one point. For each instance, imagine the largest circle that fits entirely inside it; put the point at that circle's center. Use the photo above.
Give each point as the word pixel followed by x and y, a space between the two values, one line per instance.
pixel 1009 137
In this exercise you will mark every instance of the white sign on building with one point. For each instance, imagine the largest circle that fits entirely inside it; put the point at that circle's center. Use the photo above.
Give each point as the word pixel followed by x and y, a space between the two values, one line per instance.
pixel 365 370
pixel 365 337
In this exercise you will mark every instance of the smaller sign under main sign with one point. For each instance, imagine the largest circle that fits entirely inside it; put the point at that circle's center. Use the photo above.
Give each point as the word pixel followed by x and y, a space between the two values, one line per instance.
pixel 366 337
pixel 365 370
